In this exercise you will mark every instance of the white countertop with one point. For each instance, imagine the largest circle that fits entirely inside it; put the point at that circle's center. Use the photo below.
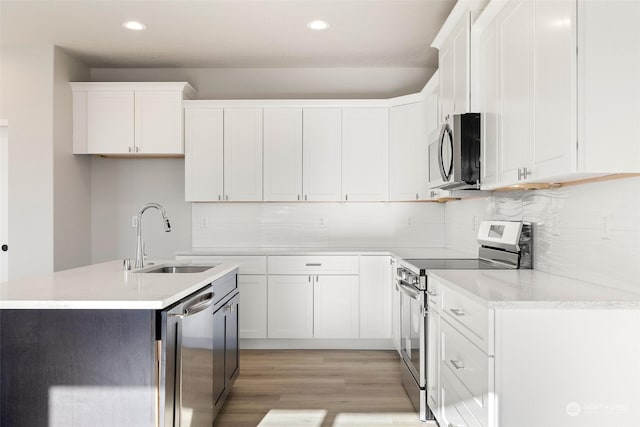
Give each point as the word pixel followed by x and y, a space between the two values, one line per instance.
pixel 503 289
pixel 106 286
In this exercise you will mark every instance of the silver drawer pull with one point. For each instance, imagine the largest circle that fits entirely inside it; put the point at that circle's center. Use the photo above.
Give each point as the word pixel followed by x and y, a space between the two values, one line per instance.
pixel 457 364
pixel 457 311
pixel 313 264
pixel 431 293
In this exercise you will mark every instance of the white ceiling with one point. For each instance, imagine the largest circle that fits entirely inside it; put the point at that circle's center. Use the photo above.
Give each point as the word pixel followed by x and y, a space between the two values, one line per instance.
pixel 231 33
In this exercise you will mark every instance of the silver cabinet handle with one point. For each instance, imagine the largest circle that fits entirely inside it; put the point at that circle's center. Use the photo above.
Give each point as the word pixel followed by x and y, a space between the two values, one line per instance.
pixel 523 173
pixel 457 364
pixel 130 149
pixel 305 197
pixel 346 197
pixel 314 264
pixel 417 196
pixel 431 293
pixel 298 197
pixel 229 308
pixel 309 279
pixel 137 149
pixel 457 311
pixel 219 197
pixel 226 197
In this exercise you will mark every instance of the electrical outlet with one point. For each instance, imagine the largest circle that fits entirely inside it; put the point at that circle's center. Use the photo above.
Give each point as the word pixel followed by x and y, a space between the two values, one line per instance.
pixel 555 224
pixel 204 222
pixel 134 221
pixel 606 225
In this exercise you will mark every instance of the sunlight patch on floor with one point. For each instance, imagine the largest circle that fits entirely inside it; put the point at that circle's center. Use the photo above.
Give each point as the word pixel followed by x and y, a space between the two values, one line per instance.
pixel 298 418
pixel 315 417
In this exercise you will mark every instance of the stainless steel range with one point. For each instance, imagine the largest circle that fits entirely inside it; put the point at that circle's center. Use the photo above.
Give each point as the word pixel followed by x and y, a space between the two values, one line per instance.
pixel 503 245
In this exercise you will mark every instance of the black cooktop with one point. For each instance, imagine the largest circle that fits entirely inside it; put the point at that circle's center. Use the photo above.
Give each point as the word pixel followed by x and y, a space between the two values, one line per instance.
pixel 454 264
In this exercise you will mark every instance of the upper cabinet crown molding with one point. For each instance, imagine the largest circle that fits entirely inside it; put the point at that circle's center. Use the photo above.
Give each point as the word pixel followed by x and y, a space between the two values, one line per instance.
pixel 188 91
pixel 461 8
pixel 129 119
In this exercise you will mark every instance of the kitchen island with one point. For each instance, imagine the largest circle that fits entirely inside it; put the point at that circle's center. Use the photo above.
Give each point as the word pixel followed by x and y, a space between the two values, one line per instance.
pixel 100 346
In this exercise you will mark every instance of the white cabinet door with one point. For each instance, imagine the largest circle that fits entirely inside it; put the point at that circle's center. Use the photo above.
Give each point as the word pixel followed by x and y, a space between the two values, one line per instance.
pixel 158 122
pixel 555 67
pixel 406 150
pixel 609 95
pixel 460 41
pixel 516 32
pixel 243 154
pixel 282 154
pixel 395 309
pixel 433 360
pixel 375 297
pixel 447 77
pixel 110 122
pixel 490 103
pixel 290 306
pixel 203 157
pixel 253 302
pixel 365 154
pixel 335 307
pixel 322 163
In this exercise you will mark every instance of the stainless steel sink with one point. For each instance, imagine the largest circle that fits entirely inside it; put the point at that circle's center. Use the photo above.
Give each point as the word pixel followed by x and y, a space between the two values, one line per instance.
pixel 173 269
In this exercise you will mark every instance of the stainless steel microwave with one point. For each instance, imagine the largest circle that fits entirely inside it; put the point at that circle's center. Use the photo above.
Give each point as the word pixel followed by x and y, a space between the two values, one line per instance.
pixel 454 158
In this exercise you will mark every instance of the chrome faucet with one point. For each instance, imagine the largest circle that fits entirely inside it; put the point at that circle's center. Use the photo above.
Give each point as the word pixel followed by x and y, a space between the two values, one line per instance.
pixel 140 252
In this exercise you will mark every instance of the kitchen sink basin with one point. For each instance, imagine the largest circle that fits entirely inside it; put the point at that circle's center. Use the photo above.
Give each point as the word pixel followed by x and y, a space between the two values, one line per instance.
pixel 173 269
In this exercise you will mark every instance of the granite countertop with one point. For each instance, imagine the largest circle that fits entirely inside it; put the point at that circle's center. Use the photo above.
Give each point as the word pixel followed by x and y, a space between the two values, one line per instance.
pixel 106 286
pixel 504 289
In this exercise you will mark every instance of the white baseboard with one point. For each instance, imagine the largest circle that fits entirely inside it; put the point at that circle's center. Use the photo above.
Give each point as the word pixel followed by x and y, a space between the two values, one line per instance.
pixel 316 344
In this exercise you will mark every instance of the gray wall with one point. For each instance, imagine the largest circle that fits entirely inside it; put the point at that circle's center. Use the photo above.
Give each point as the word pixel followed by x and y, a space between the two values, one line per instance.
pixel 119 188
pixel 281 83
pixel 48 200
pixel 27 104
pixel 71 174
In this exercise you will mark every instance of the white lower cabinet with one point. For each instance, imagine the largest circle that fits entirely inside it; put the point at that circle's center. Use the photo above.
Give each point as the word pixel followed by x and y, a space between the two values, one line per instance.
pixel 433 360
pixel 375 294
pixel 290 306
pixel 395 307
pixel 335 307
pixel 563 365
pixel 253 311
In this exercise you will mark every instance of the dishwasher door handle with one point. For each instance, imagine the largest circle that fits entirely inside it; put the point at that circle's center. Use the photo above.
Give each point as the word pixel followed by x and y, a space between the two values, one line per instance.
pixel 196 305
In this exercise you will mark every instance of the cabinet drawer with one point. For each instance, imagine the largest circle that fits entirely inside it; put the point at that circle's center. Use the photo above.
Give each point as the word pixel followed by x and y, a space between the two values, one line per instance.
pixel 470 316
pixel 254 264
pixel 455 412
pixel 434 293
pixel 470 366
pixel 313 264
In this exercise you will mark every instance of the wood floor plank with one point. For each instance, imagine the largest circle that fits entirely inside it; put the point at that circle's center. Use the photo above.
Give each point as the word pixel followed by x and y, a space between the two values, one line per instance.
pixel 318 388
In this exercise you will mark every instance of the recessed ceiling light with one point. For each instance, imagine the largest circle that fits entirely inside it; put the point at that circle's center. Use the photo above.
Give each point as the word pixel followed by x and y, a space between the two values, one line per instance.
pixel 318 25
pixel 134 25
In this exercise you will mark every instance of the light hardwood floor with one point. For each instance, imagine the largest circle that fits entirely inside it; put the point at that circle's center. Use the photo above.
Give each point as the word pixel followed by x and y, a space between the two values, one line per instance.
pixel 318 388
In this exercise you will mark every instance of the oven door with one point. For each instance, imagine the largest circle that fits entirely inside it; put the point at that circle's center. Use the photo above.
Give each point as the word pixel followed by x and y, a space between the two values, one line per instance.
pixel 413 327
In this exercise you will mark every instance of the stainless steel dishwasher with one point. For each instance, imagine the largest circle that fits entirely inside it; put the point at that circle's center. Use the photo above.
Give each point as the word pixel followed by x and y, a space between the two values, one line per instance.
pixel 200 347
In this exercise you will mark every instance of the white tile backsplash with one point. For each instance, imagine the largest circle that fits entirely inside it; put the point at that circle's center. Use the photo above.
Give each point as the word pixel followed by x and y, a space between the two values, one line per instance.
pixel 318 225
pixel 576 246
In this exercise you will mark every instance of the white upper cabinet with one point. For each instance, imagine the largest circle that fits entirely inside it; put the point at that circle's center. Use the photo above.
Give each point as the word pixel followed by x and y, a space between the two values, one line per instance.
pixel 454 67
pixel 243 154
pixel 557 93
pixel 204 154
pixel 365 154
pixel 322 160
pixel 282 154
pixel 406 152
pixel 131 119
pixel 516 31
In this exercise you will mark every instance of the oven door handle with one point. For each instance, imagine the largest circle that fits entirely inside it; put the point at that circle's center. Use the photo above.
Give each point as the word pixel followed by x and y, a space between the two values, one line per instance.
pixel 410 291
